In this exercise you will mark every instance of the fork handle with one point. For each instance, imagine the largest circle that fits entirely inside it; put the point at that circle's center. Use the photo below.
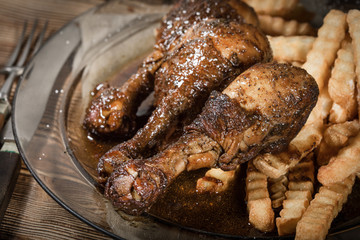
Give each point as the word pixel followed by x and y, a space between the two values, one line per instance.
pixel 9 172
pixel 4 112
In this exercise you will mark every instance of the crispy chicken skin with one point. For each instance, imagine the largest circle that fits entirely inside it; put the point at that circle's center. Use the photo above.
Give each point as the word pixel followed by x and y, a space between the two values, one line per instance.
pixel 113 110
pixel 217 52
pixel 187 13
pixel 261 111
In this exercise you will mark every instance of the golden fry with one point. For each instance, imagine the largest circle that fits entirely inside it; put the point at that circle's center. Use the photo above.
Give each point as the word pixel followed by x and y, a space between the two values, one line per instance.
pixel 316 220
pixel 336 136
pixel 322 55
pixel 290 48
pixel 342 85
pixel 346 163
pixel 353 20
pixel 302 186
pixel 277 189
pixel 303 171
pixel 273 165
pixel 276 26
pixel 301 178
pixel 261 214
pixel 272 7
pixel 321 110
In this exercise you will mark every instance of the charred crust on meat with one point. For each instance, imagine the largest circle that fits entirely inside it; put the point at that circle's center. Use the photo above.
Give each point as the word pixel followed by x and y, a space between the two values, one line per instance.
pixel 134 186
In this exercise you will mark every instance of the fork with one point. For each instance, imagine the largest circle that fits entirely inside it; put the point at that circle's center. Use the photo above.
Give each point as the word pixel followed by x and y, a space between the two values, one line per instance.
pixel 16 68
pixel 9 155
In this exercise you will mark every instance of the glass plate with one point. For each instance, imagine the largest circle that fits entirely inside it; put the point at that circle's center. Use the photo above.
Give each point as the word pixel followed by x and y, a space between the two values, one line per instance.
pixel 49 107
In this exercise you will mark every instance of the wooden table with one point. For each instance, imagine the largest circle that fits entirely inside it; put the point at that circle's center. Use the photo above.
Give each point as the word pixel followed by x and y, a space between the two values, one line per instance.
pixel 32 213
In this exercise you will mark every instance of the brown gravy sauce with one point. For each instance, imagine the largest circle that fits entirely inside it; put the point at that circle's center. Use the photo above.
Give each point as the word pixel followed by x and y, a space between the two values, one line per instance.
pixel 223 213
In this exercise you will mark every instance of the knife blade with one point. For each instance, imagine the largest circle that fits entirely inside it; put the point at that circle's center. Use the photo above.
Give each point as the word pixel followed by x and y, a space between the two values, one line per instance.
pixel 9 166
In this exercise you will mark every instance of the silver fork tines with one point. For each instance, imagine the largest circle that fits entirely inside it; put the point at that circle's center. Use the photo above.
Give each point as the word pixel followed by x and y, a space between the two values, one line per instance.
pixel 16 64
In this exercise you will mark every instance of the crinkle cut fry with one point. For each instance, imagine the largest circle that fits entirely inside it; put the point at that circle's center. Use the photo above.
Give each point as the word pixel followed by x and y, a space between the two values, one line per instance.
pixel 344 164
pixel 275 26
pixel 291 48
pixel 261 214
pixel 353 19
pixel 301 188
pixel 276 165
pixel 335 137
pixel 322 55
pixel 277 188
pixel 342 85
pixel 316 220
pixel 273 7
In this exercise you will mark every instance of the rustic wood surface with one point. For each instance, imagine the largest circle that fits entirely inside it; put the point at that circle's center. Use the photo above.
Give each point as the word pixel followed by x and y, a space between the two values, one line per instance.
pixel 32 213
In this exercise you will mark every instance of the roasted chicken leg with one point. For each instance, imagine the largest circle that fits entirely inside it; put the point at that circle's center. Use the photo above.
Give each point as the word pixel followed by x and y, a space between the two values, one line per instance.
pixel 113 110
pixel 216 52
pixel 261 111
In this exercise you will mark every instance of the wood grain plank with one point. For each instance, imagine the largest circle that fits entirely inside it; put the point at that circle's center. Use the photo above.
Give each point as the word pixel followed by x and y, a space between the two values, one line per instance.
pixel 32 213
pixel 13 13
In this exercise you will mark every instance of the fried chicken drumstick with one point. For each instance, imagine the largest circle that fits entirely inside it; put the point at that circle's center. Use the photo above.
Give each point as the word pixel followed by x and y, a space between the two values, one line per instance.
pixel 113 110
pixel 215 54
pixel 261 111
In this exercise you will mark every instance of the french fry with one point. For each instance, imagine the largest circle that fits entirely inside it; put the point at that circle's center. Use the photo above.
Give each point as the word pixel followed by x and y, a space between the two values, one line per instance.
pixel 344 164
pixel 261 214
pixel 276 165
pixel 273 165
pixel 302 172
pixel 277 188
pixel 272 7
pixel 334 61
pixel 215 180
pixel 335 137
pixel 316 220
pixel 276 26
pixel 353 20
pixel 321 111
pixel 339 114
pixel 339 134
pixel 290 48
pixel 301 187
pixel 342 85
pixel 323 53
pixel 307 140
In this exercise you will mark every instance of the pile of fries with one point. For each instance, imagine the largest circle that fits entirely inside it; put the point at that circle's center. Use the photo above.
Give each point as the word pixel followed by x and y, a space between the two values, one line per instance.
pixel 330 139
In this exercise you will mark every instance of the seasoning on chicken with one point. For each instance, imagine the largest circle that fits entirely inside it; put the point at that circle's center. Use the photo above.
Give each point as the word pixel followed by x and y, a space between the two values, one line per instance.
pixel 216 54
pixel 261 111
pixel 113 110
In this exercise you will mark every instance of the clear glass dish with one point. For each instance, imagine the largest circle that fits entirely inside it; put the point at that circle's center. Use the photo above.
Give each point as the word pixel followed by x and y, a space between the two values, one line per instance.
pixel 49 107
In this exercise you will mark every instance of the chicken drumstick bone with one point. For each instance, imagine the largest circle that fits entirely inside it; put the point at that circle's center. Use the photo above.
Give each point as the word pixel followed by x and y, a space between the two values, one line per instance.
pixel 261 111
